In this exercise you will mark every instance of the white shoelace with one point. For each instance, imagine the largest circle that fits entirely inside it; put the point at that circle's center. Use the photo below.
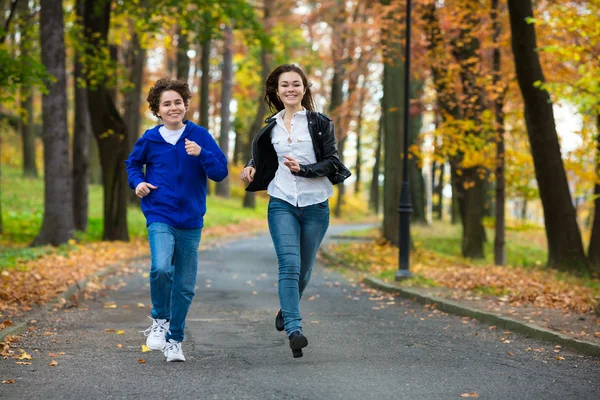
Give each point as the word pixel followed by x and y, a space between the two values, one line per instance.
pixel 174 347
pixel 156 328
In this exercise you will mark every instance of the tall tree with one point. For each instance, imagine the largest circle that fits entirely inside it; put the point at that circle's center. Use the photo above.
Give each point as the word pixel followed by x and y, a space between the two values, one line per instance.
pixel 374 187
pixel 108 125
pixel 250 197
pixel 26 42
pixel 182 61
pixel 57 224
pixel 565 248
pixel 498 100
pixel 82 135
pixel 226 96
pixel 393 115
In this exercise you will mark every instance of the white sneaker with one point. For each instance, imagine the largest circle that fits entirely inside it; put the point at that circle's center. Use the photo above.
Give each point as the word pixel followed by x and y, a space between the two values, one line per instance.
pixel 156 334
pixel 173 351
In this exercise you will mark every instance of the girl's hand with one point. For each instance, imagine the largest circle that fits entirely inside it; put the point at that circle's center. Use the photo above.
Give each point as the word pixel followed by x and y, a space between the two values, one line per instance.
pixel 143 189
pixel 292 164
pixel 192 148
pixel 247 174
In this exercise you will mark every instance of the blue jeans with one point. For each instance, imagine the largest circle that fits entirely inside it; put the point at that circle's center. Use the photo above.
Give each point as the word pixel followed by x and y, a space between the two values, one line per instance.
pixel 174 254
pixel 297 233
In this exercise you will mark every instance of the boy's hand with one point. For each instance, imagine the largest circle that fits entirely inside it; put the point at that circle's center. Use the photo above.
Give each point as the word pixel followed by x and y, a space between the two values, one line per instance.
pixel 143 189
pixel 192 148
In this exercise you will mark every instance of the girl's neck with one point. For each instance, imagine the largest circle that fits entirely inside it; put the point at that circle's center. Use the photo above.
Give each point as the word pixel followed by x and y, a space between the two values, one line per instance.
pixel 290 111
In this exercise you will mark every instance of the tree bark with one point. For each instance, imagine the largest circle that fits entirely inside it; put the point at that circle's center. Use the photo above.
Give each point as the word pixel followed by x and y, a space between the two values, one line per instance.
pixel 565 248
pixel 594 245
pixel 500 225
pixel 182 60
pixel 26 125
pixel 222 188
pixel 374 188
pixel 250 197
pixel 110 131
pixel 82 135
pixel 136 58
pixel 205 83
pixel 57 224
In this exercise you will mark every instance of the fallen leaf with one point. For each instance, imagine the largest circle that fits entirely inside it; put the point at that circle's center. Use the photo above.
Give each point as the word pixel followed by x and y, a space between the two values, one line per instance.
pixel 25 356
pixel 510 353
pixel 119 345
pixel 108 330
pixel 141 361
pixel 51 354
pixel 145 349
pixel 120 332
pixel 140 305
pixel 110 305
pixel 8 381
pixel 559 358
pixel 23 362
pixel 472 394
pixel 53 363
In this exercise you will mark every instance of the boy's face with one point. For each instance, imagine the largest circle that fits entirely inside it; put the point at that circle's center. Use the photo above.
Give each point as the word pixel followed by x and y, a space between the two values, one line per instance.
pixel 171 108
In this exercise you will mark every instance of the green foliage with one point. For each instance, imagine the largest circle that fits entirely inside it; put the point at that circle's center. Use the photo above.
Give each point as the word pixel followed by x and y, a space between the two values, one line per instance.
pixel 17 71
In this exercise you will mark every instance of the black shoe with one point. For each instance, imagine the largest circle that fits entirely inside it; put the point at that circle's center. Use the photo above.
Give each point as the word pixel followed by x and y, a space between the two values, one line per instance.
pixel 279 321
pixel 297 342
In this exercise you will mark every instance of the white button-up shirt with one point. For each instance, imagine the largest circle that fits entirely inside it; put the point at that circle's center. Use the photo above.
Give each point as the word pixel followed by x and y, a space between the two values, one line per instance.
pixel 297 144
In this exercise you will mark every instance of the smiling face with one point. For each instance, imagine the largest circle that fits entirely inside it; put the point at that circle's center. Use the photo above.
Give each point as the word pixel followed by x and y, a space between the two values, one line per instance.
pixel 290 90
pixel 171 109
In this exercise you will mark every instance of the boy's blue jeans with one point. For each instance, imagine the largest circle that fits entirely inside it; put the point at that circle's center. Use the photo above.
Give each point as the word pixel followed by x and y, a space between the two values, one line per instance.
pixel 174 254
pixel 297 233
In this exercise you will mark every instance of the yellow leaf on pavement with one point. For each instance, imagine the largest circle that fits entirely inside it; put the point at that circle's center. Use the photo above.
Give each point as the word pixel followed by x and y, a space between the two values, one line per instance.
pixel 120 332
pixel 145 349
pixel 25 356
pixel 110 305
pixel 140 305
pixel 53 363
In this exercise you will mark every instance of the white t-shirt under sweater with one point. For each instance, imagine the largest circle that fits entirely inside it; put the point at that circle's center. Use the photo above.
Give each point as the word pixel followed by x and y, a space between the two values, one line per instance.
pixel 286 186
pixel 169 135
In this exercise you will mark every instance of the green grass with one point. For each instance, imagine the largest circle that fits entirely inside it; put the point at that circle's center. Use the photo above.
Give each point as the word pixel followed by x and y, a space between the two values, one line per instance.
pixel 22 214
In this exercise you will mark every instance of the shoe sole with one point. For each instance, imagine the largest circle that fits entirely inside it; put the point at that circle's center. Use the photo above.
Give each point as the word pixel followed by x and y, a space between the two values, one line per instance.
pixel 176 360
pixel 156 347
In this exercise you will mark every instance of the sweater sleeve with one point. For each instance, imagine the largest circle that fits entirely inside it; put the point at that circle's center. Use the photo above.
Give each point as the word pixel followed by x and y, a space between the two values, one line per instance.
pixel 212 158
pixel 135 163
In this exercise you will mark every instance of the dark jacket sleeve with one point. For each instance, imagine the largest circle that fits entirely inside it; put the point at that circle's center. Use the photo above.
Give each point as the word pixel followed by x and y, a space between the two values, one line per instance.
pixel 330 160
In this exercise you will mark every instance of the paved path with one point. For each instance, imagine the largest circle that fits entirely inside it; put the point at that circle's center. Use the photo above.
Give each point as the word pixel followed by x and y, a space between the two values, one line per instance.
pixel 361 346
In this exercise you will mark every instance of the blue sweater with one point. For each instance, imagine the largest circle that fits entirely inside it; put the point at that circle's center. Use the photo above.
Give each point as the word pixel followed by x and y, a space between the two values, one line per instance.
pixel 181 179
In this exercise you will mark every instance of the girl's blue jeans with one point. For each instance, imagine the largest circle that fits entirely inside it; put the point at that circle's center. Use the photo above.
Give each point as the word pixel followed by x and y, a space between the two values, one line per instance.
pixel 174 254
pixel 297 233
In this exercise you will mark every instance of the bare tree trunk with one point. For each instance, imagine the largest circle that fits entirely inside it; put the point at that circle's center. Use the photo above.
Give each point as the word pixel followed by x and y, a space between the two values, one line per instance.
pixel 374 188
pixel 82 134
pixel 105 117
pixel 499 240
pixel 222 189
pixel 250 197
pixel 182 59
pixel 136 58
pixel 57 225
pixel 205 84
pixel 359 128
pixel 26 126
pixel 565 248
pixel 594 245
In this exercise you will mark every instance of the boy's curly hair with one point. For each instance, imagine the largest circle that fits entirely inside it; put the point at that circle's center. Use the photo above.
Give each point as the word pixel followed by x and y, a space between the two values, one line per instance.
pixel 164 84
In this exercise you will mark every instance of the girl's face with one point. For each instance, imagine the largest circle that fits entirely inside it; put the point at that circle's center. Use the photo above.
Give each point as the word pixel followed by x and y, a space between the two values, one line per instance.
pixel 171 109
pixel 290 89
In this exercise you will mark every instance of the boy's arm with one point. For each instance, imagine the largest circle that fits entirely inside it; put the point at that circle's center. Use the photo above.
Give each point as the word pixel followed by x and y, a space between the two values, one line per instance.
pixel 212 158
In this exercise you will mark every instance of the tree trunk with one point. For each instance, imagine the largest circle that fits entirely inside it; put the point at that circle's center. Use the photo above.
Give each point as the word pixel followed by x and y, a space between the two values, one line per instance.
pixel 136 58
pixel 205 84
pixel 439 191
pixel 415 172
pixel 26 126
pixel 250 197
pixel 82 134
pixel 182 60
pixel 222 189
pixel 393 115
pixel 359 128
pixel 499 240
pixel 594 246
pixel 374 188
pixel 57 225
pixel 110 131
pixel 565 248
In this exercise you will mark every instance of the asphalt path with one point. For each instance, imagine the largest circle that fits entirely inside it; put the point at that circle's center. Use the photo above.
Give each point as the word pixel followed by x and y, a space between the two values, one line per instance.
pixel 362 345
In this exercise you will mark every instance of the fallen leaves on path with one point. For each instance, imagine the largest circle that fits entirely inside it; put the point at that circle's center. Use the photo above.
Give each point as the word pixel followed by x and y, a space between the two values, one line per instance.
pixel 537 287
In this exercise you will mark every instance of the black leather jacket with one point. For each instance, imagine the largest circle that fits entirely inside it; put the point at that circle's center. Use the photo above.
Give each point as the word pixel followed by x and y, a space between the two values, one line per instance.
pixel 264 157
